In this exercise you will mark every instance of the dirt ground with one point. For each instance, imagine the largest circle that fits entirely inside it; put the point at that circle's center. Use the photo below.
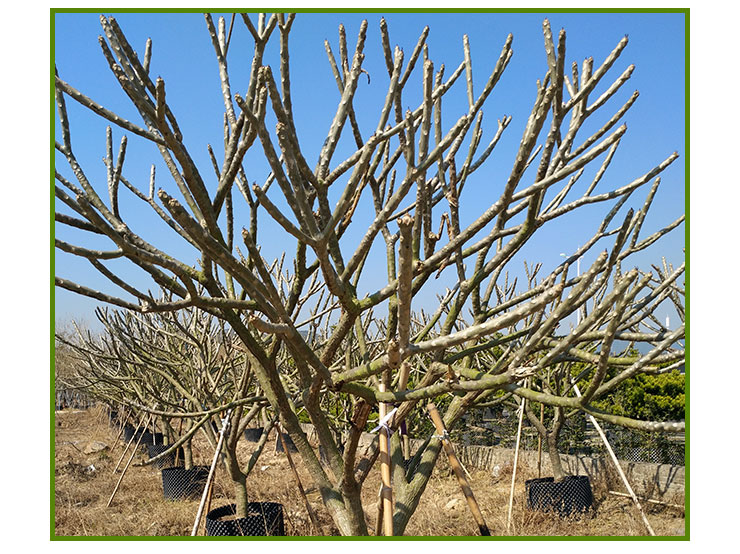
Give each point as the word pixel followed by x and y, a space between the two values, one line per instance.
pixel 84 481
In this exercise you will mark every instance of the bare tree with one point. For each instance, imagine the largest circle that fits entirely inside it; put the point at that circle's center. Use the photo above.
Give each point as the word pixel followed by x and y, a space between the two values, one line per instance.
pixel 181 367
pixel 65 364
pixel 414 172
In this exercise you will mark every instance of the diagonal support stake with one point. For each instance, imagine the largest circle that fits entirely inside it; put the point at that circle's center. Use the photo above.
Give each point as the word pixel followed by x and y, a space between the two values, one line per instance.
pixel 386 491
pixel 516 462
pixel 619 467
pixel 123 472
pixel 128 444
pixel 211 473
pixel 122 425
pixel 457 468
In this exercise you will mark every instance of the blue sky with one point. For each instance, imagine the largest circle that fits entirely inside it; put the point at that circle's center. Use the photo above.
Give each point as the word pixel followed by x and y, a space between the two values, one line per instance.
pixel 184 57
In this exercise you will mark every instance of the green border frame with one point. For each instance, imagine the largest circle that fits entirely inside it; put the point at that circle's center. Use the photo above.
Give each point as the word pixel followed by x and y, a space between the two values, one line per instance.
pixel 687 486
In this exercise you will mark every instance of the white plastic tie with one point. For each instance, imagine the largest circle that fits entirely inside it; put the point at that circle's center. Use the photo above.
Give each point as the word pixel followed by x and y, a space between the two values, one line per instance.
pixel 383 423
pixel 445 436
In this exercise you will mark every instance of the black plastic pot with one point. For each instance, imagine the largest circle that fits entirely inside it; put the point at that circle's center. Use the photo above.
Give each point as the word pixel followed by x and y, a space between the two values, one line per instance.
pixel 253 434
pixel 128 432
pixel 184 484
pixel 288 442
pixel 166 461
pixel 264 519
pixel 148 439
pixel 572 495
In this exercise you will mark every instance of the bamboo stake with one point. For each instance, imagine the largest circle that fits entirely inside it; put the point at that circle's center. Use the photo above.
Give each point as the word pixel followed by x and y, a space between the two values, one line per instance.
pixel 179 434
pixel 406 444
pixel 309 509
pixel 457 468
pixel 539 442
pixel 136 431
pixel 210 494
pixel 123 473
pixel 516 462
pixel 650 500
pixel 211 473
pixel 121 426
pixel 403 380
pixel 618 466
pixel 209 490
pixel 385 470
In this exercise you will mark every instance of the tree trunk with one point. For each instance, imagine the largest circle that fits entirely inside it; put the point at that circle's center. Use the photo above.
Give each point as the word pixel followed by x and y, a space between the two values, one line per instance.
pixel 346 512
pixel 552 447
pixel 351 520
pixel 187 449
pixel 408 498
pixel 356 514
pixel 408 495
pixel 240 494
pixel 238 477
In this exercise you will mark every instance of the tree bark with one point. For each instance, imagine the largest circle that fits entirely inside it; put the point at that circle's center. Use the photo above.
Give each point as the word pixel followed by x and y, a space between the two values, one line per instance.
pixel 240 494
pixel 552 447
pixel 238 477
pixel 187 449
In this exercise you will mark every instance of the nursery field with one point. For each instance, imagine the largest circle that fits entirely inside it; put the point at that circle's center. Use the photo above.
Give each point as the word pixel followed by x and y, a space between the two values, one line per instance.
pixel 86 453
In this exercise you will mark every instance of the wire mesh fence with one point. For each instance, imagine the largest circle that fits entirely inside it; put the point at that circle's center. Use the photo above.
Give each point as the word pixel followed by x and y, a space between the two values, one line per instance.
pixel 642 447
pixel 577 437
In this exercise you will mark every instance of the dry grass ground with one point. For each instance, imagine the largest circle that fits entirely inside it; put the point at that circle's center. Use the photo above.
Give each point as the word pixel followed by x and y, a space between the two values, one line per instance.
pixel 81 495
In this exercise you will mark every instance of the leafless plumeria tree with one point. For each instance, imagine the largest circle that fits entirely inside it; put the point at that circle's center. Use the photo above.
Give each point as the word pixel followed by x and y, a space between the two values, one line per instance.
pixel 307 334
pixel 64 359
pixel 185 368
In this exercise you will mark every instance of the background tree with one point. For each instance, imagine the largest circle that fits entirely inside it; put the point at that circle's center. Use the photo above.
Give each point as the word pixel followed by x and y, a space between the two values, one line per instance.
pixel 411 167
pixel 182 367
pixel 646 396
pixel 64 362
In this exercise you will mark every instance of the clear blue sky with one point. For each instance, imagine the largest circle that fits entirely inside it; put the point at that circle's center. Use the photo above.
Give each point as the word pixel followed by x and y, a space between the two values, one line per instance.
pixel 183 56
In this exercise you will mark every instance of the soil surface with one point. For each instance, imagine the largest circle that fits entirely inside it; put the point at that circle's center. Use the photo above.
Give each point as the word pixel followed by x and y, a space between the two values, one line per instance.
pixel 86 453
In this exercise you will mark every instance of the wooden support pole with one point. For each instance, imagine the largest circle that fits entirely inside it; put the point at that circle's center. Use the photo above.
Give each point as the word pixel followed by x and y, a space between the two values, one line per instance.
pixel 457 468
pixel 618 466
pixel 516 462
pixel 309 509
pixel 123 473
pixel 385 470
pixel 211 473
